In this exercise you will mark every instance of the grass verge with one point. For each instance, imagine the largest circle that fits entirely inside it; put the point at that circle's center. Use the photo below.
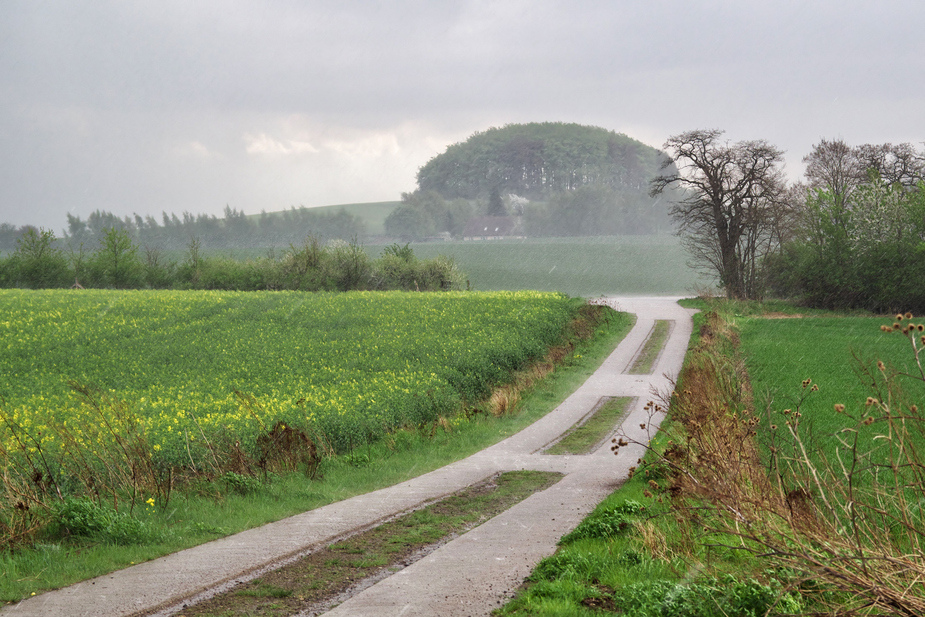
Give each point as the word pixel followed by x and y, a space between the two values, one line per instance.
pixel 647 550
pixel 823 519
pixel 226 505
pixel 311 583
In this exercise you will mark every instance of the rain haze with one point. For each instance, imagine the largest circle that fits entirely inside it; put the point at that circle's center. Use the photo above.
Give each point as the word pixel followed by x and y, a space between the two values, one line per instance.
pixel 144 107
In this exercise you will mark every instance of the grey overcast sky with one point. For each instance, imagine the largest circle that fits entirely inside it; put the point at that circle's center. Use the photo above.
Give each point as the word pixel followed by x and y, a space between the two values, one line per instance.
pixel 179 105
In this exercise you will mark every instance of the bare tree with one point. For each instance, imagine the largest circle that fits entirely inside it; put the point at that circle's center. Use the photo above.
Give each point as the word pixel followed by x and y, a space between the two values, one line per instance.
pixel 893 164
pixel 731 213
pixel 838 168
pixel 834 166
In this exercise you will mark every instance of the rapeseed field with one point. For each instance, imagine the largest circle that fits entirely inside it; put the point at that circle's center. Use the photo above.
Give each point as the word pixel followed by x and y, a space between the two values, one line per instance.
pixel 191 369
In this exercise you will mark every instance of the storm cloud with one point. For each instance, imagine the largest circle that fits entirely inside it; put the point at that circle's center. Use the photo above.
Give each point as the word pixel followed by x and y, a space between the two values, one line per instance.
pixel 144 107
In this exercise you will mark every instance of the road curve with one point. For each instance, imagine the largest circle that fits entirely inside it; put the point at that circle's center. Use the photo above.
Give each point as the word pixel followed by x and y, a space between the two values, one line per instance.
pixel 470 575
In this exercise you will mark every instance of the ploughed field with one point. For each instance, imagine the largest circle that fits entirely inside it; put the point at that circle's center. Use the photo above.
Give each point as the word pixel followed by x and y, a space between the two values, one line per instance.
pixel 192 370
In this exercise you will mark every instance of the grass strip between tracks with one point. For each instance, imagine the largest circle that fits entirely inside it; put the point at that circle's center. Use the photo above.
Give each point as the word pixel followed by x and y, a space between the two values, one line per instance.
pixel 326 576
pixel 584 437
pixel 651 349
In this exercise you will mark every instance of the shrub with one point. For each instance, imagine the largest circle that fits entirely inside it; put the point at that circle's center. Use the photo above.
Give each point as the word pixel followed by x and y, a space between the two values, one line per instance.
pixel 37 263
pixel 116 264
pixel 349 266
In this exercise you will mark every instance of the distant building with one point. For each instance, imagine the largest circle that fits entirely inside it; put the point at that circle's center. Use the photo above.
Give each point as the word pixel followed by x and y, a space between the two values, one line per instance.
pixel 493 228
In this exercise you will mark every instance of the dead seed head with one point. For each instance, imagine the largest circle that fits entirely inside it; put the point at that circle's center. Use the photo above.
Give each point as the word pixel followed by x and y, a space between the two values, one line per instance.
pixel 897 326
pixel 868 421
pixel 815 388
pixel 642 426
pixel 839 407
pixel 914 409
pixel 871 400
pixel 908 315
pixel 806 382
pixel 880 365
pixel 886 329
pixel 899 317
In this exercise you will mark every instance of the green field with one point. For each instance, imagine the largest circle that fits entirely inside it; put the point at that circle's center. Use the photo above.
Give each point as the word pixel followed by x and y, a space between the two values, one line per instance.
pixel 373 214
pixel 833 352
pixel 348 367
pixel 587 267
pixel 582 267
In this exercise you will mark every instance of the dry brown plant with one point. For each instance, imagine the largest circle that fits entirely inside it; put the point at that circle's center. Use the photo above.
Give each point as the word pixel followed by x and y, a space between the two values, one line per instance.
pixel 852 528
pixel 504 399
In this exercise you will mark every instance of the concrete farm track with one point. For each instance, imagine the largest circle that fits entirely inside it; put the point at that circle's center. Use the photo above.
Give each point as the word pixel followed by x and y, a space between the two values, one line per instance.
pixel 469 576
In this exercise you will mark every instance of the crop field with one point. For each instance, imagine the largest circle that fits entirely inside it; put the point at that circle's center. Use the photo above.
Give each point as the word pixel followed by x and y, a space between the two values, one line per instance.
pixel 833 352
pixel 193 365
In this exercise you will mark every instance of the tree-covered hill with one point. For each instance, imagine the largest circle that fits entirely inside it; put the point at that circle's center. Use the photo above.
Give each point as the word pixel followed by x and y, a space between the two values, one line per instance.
pixel 564 179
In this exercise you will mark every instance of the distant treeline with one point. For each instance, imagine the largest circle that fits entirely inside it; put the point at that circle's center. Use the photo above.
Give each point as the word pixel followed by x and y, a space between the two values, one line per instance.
pixel 118 262
pixel 234 230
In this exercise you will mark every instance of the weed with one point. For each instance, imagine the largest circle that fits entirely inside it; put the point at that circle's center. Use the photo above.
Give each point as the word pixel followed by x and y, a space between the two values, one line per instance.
pixel 83 518
pixel 240 483
pixel 604 523
pixel 256 589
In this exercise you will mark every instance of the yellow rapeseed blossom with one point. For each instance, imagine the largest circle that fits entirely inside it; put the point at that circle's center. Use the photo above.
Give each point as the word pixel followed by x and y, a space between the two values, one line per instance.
pixel 181 368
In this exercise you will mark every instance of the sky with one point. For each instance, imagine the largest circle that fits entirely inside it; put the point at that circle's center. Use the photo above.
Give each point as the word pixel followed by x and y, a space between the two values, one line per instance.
pixel 177 106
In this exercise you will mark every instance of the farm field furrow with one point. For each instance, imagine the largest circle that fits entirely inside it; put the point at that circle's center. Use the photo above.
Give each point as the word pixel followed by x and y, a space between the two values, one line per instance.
pixel 226 366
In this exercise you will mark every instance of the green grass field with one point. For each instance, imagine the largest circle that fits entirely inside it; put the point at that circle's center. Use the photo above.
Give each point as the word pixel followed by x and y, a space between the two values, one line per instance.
pixel 584 267
pixel 373 214
pixel 833 352
pixel 587 267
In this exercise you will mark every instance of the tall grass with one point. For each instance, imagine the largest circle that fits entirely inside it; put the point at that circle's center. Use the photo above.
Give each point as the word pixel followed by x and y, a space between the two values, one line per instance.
pixel 835 500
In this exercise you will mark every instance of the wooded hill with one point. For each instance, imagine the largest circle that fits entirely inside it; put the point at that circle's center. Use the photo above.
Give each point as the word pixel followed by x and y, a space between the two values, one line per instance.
pixel 562 179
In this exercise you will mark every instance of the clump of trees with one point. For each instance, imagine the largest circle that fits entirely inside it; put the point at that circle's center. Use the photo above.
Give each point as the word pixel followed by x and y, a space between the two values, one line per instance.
pixel 426 214
pixel 564 179
pixel 117 262
pixel 851 236
pixel 859 241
